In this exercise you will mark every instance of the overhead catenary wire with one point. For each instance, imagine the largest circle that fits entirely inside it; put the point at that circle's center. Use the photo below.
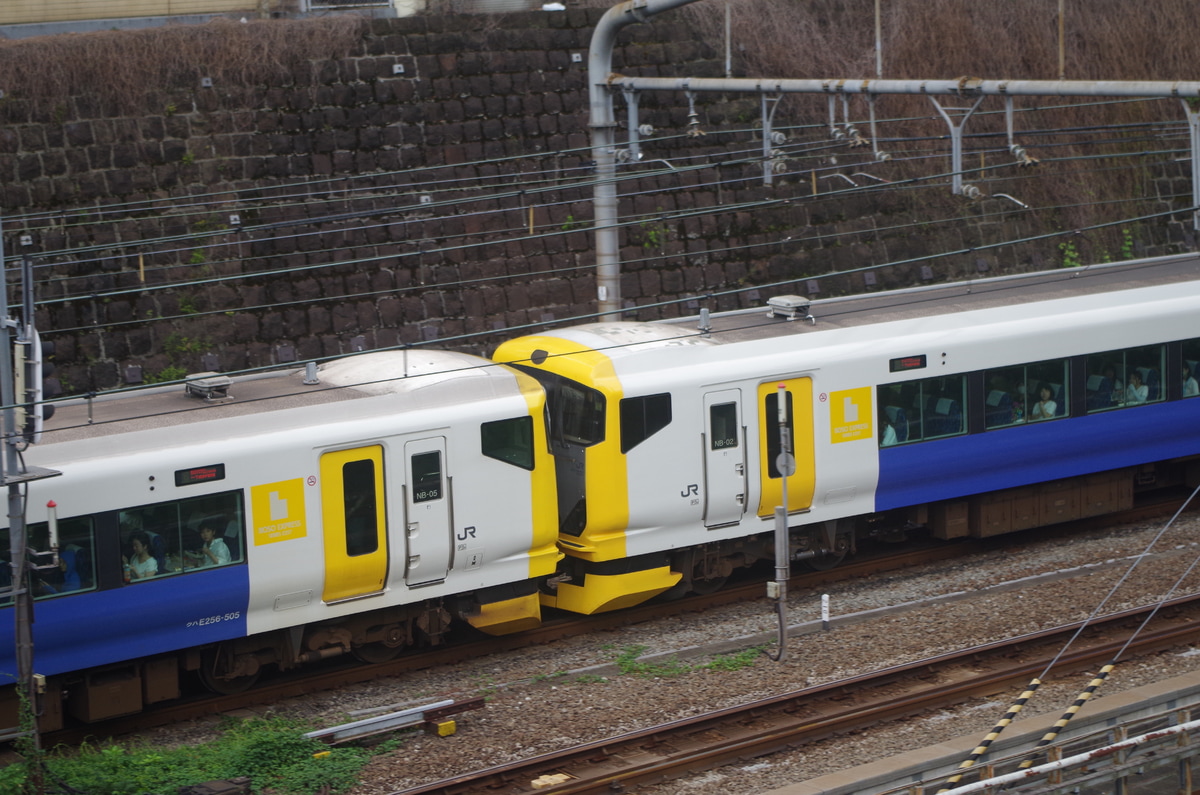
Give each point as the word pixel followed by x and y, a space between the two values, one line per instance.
pixel 244 239
pixel 466 337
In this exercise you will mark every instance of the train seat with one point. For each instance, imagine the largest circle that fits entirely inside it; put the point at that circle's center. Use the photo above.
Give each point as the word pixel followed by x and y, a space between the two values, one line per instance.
pixel 1099 392
pixel 999 409
pixel 899 422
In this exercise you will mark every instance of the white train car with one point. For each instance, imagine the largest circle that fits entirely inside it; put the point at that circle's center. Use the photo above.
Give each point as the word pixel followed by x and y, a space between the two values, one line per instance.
pixel 359 515
pixel 975 408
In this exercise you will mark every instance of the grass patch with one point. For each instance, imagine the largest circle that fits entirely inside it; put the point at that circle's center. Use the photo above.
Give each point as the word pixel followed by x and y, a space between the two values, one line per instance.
pixel 273 753
pixel 627 662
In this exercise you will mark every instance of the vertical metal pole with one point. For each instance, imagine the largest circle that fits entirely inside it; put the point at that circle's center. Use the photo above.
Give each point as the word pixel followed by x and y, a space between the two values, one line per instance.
pixel 1193 119
pixel 10 468
pixel 878 42
pixel 785 464
pixel 602 123
pixel 768 134
pixel 728 42
pixel 1062 36
pixel 956 147
pixel 631 107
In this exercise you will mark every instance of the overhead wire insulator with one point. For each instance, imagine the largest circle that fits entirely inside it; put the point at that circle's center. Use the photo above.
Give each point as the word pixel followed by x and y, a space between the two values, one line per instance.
pixel 646 129
pixel 1023 157
pixel 972 192
pixel 693 130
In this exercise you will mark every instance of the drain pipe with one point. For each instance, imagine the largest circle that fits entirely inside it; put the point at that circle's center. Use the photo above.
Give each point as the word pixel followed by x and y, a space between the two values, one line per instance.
pixel 603 125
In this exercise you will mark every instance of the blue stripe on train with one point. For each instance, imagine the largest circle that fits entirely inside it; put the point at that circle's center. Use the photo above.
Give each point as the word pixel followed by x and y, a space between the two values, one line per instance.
pixel 83 630
pixel 1036 452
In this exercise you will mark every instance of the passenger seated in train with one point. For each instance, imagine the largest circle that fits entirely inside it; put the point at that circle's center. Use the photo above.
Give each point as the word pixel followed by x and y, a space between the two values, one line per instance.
pixel 887 434
pixel 1045 407
pixel 68 566
pixel 1190 387
pixel 1136 392
pixel 140 565
pixel 213 551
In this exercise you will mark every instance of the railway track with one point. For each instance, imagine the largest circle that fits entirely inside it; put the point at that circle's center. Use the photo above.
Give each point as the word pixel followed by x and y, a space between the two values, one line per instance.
pixel 670 750
pixel 341 673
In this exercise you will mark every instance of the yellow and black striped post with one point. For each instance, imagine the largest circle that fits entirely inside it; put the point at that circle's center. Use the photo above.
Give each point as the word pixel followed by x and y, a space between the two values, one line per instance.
pixel 983 746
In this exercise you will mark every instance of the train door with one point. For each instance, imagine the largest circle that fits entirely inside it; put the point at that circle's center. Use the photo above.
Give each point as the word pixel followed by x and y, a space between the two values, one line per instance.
pixel 724 458
pixel 802 483
pixel 355 523
pixel 427 506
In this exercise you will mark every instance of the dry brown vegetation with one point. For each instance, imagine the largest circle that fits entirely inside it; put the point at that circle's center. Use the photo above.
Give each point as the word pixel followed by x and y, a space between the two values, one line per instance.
pixel 119 68
pixel 1016 39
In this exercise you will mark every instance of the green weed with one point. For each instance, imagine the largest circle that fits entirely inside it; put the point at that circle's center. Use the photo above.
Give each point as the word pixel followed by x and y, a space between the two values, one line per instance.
pixel 273 753
pixel 628 663
pixel 1070 255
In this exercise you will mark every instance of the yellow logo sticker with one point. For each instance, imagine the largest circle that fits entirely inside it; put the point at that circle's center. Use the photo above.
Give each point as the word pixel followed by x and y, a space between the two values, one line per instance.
pixel 850 417
pixel 278 511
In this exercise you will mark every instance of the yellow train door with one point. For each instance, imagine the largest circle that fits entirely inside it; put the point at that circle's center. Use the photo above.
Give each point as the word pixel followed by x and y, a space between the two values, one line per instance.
pixel 354 516
pixel 803 482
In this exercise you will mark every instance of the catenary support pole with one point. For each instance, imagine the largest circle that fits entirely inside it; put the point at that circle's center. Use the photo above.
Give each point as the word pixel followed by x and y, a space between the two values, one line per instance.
pixel 603 126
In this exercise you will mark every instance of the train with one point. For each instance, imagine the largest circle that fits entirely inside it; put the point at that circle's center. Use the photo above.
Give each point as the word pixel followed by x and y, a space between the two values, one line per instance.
pixel 375 503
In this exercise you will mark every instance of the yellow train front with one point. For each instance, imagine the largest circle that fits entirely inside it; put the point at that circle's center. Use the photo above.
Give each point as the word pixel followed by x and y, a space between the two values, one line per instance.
pixel 971 409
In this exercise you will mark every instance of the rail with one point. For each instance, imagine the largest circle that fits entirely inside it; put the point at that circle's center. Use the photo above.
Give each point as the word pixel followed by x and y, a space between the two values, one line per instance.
pixel 702 742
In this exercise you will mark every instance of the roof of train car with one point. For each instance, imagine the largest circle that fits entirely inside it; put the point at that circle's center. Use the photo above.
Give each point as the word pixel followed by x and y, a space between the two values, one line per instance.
pixel 942 299
pixel 353 378
pixel 421 378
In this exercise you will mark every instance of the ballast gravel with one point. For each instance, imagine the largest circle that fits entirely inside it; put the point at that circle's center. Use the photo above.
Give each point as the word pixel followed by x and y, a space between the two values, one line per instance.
pixel 573 691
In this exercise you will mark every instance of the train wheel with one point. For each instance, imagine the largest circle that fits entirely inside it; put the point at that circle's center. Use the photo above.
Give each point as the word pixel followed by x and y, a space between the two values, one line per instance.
pixel 217 675
pixel 708 586
pixel 826 561
pixel 375 652
pixel 395 639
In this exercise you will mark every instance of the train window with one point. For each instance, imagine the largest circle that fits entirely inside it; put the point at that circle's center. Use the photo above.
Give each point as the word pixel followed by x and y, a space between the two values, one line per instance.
pixel 151 545
pixel 931 408
pixel 774 443
pixel 1128 377
pixel 510 441
pixel 579 411
pixel 1191 361
pixel 169 538
pixel 360 503
pixel 210 530
pixel 427 476
pixel 1026 393
pixel 75 570
pixel 575 413
pixel 723 419
pixel 642 417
